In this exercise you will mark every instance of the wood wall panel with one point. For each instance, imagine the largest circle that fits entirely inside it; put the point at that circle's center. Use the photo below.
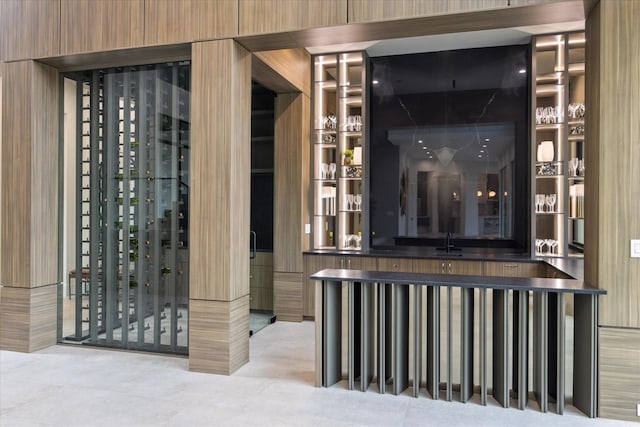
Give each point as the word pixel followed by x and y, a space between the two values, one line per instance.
pixel 178 21
pixel 218 335
pixel 94 25
pixel 385 10
pixel 619 365
pixel 291 186
pixel 220 170
pixel 29 29
pixel 291 65
pixel 272 16
pixel 28 318
pixel 29 182
pixel 16 177
pixel 613 159
pixel 287 292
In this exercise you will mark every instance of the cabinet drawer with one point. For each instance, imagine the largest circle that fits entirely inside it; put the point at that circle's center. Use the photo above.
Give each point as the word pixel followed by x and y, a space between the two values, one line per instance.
pixel 395 264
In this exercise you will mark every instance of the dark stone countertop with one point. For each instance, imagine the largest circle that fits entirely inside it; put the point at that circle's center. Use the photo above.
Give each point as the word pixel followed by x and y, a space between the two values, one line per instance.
pixel 462 281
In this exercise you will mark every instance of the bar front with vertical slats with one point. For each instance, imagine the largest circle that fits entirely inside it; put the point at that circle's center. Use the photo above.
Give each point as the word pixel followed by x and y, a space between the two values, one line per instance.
pixel 383 307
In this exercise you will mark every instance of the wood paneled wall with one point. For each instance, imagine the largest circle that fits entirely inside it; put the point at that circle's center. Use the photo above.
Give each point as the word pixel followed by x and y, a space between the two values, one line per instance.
pixel 619 364
pixel 95 25
pixel 291 65
pixel 29 29
pixel 29 236
pixel 28 318
pixel 177 21
pixel 613 159
pixel 220 170
pixel 385 10
pixel 273 16
pixel 292 185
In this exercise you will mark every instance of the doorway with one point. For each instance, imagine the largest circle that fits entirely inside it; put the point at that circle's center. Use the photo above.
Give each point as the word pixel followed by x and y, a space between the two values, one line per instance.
pixel 262 160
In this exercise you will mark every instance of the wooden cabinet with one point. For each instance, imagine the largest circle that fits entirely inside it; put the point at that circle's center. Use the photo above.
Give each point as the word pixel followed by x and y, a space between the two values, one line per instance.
pixel 261 281
pixel 395 264
pixel 511 269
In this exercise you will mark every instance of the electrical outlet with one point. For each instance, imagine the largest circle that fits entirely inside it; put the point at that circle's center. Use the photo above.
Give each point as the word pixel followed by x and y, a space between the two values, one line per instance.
pixel 638 409
pixel 307 229
pixel 635 248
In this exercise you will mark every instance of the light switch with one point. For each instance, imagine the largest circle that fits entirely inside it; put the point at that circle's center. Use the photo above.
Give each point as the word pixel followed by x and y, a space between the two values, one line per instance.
pixel 307 229
pixel 635 248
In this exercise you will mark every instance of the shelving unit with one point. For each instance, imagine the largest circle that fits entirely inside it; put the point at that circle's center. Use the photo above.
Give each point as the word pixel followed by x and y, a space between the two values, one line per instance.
pixel 339 148
pixel 558 64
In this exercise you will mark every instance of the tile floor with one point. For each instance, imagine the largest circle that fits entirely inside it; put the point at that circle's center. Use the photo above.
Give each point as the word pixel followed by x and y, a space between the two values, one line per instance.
pixel 82 386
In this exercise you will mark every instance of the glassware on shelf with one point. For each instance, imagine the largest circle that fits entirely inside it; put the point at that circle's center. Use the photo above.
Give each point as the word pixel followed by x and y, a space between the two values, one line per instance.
pixel 574 166
pixel 350 200
pixel 358 240
pixel 540 201
pixel 581 168
pixel 546 151
pixel 324 169
pixel 358 200
pixel 332 170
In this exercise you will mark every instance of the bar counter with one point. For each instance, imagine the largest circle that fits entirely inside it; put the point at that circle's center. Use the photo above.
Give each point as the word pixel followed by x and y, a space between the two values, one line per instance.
pixel 379 308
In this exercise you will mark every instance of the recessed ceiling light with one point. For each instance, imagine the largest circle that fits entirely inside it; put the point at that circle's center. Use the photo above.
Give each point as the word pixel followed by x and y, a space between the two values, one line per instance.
pixel 487 139
pixel 424 148
pixel 480 155
pixel 431 157
pixel 522 71
pixel 484 145
pixel 375 82
pixel 482 151
pixel 419 141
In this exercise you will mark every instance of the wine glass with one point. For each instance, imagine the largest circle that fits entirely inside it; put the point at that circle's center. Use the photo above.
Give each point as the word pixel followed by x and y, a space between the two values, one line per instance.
pixel 332 170
pixel 358 122
pixel 539 245
pixel 357 238
pixel 350 199
pixel 581 168
pixel 358 200
pixel 324 169
pixel 554 243
pixel 552 201
pixel 574 166
pixel 540 202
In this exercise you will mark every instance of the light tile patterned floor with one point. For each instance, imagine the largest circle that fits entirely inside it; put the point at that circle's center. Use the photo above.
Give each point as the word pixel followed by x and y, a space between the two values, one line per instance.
pixel 82 386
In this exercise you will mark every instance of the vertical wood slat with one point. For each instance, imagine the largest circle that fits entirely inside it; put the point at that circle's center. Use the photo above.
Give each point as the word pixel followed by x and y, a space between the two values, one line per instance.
pixel 96 25
pixel 30 179
pixel 612 153
pixel 220 171
pixel 30 29
pixel 179 21
pixel 273 16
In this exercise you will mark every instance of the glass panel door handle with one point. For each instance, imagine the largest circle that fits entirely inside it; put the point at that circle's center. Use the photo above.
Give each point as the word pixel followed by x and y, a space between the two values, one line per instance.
pixel 253 244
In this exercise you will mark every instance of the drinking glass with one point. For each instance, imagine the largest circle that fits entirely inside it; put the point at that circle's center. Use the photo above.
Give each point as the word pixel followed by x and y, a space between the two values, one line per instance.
pixel 332 170
pixel 539 245
pixel 324 169
pixel 554 243
pixel 358 122
pixel 357 239
pixel 358 201
pixel 351 123
pixel 350 199
pixel 574 166
pixel 552 201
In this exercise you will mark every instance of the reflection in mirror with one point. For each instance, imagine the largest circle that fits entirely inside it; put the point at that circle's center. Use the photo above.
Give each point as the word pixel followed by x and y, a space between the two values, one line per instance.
pixel 450 148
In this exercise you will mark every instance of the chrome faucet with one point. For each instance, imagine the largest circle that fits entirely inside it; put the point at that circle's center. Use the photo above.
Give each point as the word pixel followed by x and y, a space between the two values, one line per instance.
pixel 449 243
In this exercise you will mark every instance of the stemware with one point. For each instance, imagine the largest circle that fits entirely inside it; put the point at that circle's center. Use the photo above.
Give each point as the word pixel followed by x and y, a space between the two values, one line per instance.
pixel 581 167
pixel 574 166
pixel 324 169
pixel 332 170
pixel 358 122
pixel 552 201
pixel 539 245
pixel 351 123
pixel 350 199
pixel 540 199
pixel 357 238
pixel 358 200
pixel 554 244
pixel 547 202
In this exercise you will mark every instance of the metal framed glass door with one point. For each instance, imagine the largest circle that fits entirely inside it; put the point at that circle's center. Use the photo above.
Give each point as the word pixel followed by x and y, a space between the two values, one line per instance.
pixel 131 275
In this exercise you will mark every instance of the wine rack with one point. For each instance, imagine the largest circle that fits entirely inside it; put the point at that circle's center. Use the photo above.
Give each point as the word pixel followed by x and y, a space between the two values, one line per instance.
pixel 132 206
